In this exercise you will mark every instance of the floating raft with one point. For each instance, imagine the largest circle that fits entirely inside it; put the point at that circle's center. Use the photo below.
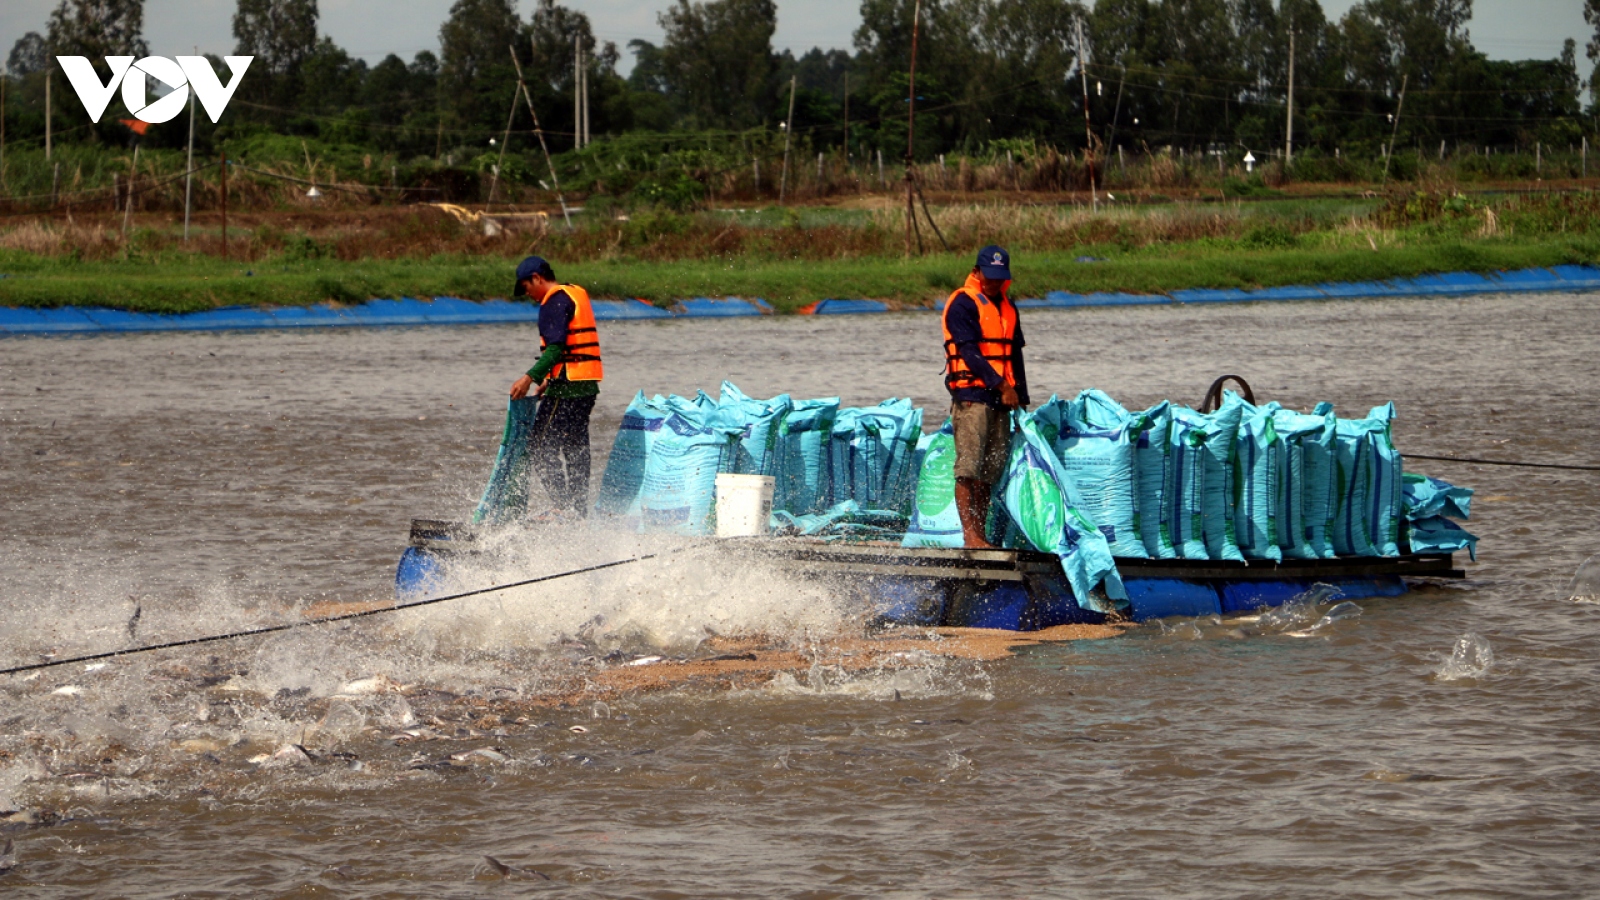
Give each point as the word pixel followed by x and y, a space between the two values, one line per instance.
pixel 1015 590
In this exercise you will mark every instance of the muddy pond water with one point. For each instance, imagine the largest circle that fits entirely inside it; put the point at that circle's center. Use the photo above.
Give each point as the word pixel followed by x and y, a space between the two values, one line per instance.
pixel 211 482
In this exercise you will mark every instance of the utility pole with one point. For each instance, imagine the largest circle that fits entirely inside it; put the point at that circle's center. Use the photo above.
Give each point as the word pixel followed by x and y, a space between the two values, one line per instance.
pixel 188 175
pixel 1288 132
pixel 539 132
pixel 577 93
pixel 846 123
pixel 49 72
pixel 1088 132
pixel 585 80
pixel 788 135
pixel 1388 152
pixel 911 135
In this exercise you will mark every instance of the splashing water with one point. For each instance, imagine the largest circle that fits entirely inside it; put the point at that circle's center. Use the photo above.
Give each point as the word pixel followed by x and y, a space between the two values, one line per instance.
pixel 1470 660
pixel 1585 586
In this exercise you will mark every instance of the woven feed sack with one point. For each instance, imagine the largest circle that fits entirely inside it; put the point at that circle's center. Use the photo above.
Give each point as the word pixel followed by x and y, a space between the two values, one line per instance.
pixel 624 475
pixel 1222 435
pixel 1039 497
pixel 1437 534
pixel 935 521
pixel 1388 483
pixel 870 452
pixel 505 497
pixel 1095 448
pixel 1259 483
pixel 1184 500
pixel 680 477
pixel 1150 477
pixel 1305 479
pixel 759 419
pixel 1355 485
pixel 1320 491
pixel 1425 497
pixel 803 480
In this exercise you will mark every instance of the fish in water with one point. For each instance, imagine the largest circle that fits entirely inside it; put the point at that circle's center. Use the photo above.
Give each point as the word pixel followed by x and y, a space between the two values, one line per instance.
pixel 508 871
pixel 133 621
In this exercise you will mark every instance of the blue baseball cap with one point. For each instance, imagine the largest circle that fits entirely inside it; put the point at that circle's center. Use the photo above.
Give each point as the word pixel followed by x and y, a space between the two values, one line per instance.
pixel 533 265
pixel 995 262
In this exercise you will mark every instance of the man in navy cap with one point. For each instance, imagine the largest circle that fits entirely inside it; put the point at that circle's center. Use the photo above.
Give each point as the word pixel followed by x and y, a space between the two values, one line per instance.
pixel 566 378
pixel 984 374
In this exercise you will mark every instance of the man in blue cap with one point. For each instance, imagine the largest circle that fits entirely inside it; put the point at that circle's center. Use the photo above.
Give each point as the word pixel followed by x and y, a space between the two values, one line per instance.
pixel 984 374
pixel 566 379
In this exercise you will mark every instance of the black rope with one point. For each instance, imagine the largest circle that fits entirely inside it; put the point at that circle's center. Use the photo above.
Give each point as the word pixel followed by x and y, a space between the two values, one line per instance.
pixel 271 629
pixel 1499 462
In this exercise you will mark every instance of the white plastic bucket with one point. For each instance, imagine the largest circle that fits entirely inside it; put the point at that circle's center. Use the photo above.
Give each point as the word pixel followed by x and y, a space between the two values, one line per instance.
pixel 744 505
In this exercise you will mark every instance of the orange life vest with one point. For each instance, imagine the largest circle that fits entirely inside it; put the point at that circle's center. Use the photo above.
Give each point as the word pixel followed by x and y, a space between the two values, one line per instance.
pixel 998 324
pixel 580 361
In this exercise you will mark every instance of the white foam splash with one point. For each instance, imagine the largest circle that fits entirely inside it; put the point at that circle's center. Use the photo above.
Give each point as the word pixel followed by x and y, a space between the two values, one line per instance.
pixel 1585 584
pixel 1470 660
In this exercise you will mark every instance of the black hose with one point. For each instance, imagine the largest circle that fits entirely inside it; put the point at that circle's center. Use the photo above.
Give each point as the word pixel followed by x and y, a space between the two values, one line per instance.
pixel 271 629
pixel 1499 462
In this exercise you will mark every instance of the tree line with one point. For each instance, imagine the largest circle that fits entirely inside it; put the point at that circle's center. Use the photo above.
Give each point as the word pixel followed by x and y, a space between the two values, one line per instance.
pixel 1196 75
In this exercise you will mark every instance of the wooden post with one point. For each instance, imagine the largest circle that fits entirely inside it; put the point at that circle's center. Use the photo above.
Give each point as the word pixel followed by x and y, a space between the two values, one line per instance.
pixel 846 124
pixel 788 135
pixel 224 207
pixel 3 80
pixel 1586 156
pixel 755 163
pixel 1538 158
pixel 55 186
pixel 127 206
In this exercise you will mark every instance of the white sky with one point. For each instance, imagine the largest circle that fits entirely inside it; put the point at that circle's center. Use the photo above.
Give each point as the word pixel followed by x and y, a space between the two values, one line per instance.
pixel 1504 29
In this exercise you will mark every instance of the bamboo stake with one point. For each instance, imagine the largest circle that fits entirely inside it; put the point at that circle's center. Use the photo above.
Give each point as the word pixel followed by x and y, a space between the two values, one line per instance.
pixel 1388 152
pixel 1088 132
pixel 127 206
pixel 224 207
pixel 554 181
pixel 788 135
pixel 511 114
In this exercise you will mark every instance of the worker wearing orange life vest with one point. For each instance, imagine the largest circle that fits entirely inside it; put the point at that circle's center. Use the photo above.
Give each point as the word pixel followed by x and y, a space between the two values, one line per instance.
pixel 986 379
pixel 567 376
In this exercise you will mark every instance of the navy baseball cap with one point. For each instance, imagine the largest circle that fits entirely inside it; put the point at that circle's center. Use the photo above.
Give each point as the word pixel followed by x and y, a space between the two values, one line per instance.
pixel 995 262
pixel 533 265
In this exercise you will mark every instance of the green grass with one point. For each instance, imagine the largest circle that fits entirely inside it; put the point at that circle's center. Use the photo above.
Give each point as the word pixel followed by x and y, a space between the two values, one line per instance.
pixel 191 283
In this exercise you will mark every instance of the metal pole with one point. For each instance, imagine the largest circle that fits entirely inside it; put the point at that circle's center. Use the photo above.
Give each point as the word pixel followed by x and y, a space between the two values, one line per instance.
pixel 539 132
pixel 587 140
pixel 788 135
pixel 1389 151
pixel 1288 132
pixel 1088 132
pixel 188 175
pixel 224 207
pixel 911 132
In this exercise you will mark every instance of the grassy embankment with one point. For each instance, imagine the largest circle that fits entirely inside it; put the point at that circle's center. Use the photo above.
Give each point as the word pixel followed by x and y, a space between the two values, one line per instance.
pixel 794 257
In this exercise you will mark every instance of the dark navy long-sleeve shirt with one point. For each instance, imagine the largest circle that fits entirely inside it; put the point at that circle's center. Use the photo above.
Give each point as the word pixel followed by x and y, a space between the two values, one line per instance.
pixel 962 319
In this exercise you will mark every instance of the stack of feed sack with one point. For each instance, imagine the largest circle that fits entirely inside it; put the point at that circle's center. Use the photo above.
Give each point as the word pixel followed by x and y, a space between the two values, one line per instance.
pixel 1306 505
pixel 1094 441
pixel 1429 506
pixel 1367 486
pixel 624 475
pixel 871 452
pixel 692 446
pixel 934 520
pixel 804 479
pixel 1038 496
pixel 760 420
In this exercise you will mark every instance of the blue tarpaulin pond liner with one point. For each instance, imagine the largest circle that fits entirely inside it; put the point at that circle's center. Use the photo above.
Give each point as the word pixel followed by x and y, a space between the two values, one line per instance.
pixel 722 306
